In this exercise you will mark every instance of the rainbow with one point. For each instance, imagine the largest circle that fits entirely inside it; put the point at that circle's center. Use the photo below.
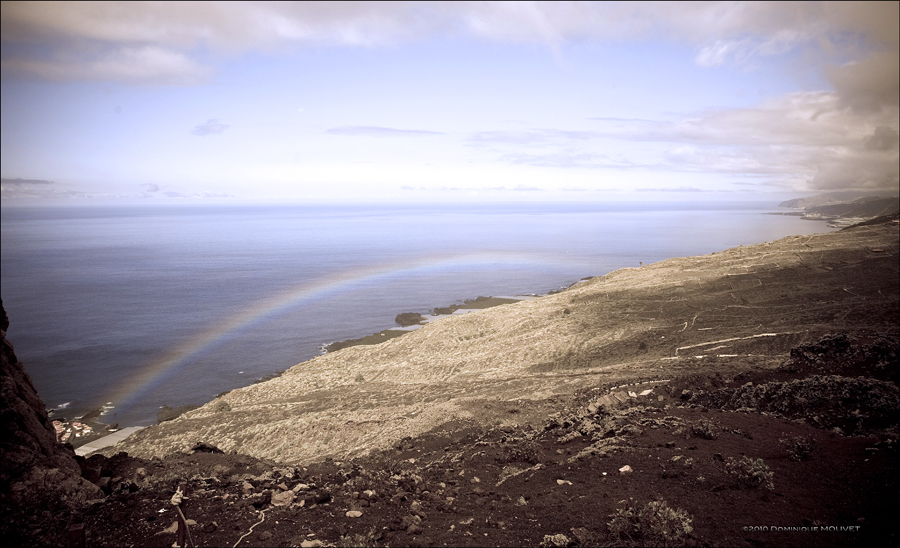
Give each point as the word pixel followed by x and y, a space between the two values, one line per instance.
pixel 154 373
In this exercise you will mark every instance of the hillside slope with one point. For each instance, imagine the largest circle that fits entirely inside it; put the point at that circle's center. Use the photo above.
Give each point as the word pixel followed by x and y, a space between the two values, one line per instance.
pixel 739 309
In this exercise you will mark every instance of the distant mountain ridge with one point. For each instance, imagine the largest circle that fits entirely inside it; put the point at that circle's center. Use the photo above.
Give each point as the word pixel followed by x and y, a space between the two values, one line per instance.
pixel 831 198
pixel 844 208
pixel 865 207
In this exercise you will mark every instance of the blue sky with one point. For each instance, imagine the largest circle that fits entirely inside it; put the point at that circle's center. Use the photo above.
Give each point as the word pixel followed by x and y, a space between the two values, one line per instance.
pixel 306 102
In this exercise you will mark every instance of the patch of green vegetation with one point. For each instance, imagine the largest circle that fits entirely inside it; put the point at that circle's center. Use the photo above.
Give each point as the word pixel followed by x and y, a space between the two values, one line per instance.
pixel 654 524
pixel 358 540
pixel 706 429
pixel 519 451
pixel 749 473
pixel 798 447
pixel 221 406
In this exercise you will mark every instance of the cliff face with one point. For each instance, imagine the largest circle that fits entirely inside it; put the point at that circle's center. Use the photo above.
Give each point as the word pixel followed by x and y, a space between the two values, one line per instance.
pixel 739 309
pixel 37 474
pixel 26 433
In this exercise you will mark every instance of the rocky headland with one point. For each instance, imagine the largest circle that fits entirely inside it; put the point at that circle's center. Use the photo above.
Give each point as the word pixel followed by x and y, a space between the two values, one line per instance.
pixel 743 398
pixel 842 209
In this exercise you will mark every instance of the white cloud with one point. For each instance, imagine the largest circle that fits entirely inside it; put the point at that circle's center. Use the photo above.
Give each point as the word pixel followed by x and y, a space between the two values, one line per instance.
pixel 377 131
pixel 150 42
pixel 672 189
pixel 211 126
pixel 806 141
pixel 811 139
pixel 131 65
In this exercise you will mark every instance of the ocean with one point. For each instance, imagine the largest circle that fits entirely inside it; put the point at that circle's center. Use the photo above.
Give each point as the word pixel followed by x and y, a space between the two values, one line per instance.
pixel 130 308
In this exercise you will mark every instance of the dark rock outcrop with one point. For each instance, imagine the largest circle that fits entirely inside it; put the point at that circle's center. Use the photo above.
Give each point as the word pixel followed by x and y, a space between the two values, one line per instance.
pixel 26 433
pixel 168 413
pixel 842 354
pixel 40 480
pixel 409 318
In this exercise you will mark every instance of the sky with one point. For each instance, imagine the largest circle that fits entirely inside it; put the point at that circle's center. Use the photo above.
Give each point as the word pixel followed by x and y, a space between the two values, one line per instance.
pixel 257 102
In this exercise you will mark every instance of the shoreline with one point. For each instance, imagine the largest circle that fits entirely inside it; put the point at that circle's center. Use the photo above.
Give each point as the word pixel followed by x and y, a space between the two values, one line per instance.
pixel 411 321
pixel 88 428
pixel 468 305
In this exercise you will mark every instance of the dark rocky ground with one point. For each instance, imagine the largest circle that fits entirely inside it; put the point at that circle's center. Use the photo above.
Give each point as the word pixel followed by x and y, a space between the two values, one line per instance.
pixel 824 425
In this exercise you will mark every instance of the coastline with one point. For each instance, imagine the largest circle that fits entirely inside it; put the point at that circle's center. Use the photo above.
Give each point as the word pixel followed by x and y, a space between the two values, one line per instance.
pixel 469 305
pixel 523 251
pixel 645 322
pixel 418 320
pixel 88 429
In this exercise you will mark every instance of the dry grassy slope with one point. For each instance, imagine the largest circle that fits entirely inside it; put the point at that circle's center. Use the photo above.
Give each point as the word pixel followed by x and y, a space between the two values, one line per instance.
pixel 743 307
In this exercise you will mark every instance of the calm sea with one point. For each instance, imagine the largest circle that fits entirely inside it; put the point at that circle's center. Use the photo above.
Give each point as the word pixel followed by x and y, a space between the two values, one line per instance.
pixel 136 307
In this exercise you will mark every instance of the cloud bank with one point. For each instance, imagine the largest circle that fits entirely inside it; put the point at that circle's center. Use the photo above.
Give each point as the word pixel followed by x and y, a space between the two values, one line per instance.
pixel 838 138
pixel 209 128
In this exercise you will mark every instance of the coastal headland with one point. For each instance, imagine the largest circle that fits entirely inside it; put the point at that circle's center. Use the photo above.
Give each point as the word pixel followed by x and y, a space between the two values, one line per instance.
pixel 747 397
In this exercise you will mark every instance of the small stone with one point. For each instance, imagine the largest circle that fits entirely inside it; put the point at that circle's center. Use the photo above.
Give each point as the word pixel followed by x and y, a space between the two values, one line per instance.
pixel 354 514
pixel 416 508
pixel 625 470
pixel 312 544
pixel 247 486
pixel 283 498
pixel 475 480
pixel 521 501
pixel 563 482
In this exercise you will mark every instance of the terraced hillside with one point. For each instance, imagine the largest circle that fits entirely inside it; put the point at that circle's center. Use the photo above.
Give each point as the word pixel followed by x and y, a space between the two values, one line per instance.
pixel 740 309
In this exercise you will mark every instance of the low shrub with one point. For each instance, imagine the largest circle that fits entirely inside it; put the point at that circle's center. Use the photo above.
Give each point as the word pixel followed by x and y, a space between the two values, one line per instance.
pixel 519 451
pixel 358 540
pixel 748 473
pixel 706 429
pixel 221 406
pixel 654 524
pixel 798 447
